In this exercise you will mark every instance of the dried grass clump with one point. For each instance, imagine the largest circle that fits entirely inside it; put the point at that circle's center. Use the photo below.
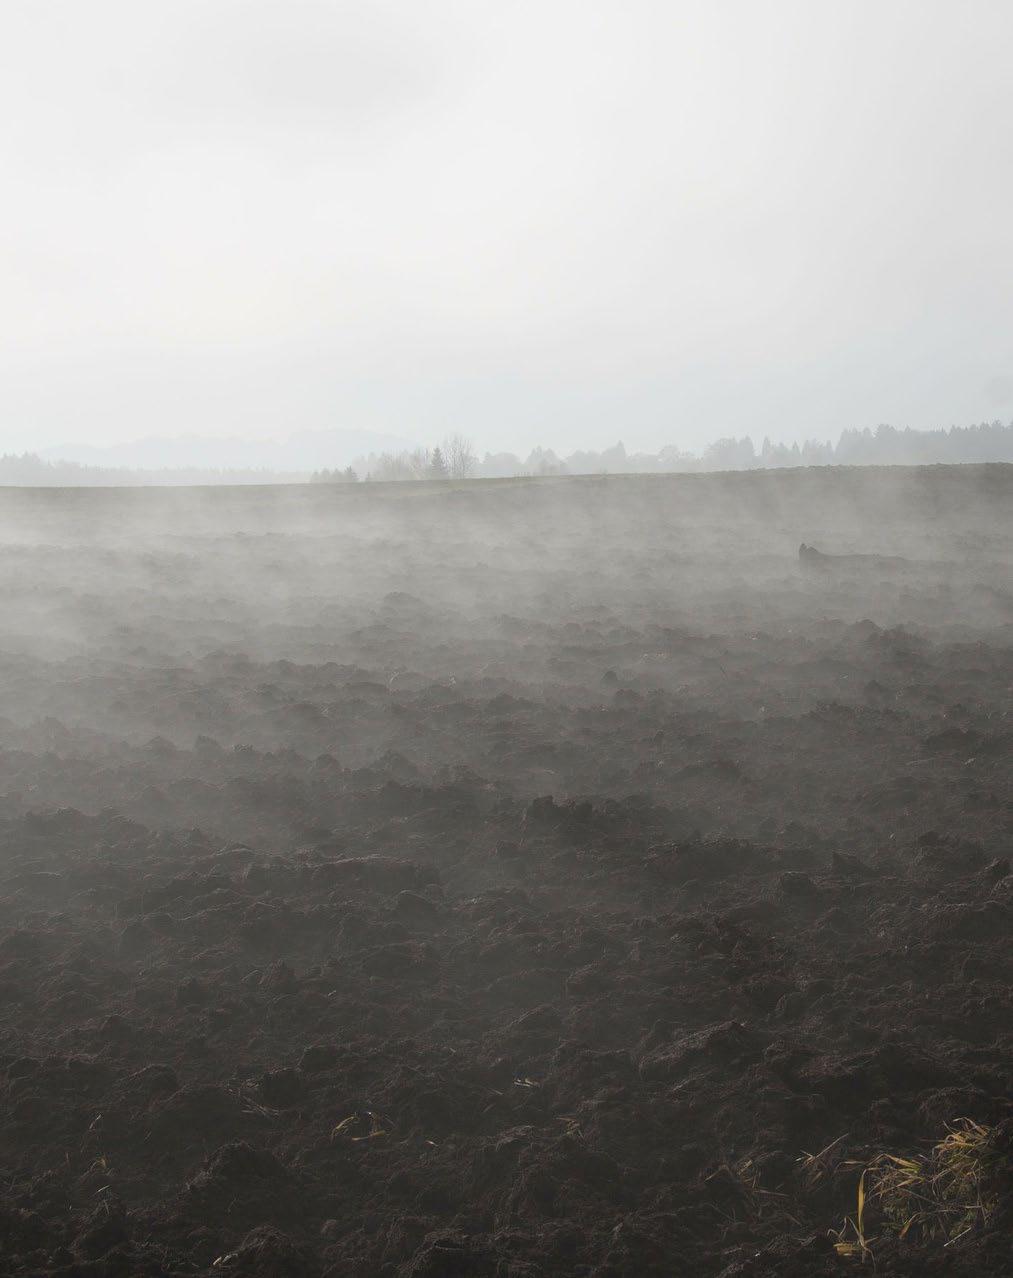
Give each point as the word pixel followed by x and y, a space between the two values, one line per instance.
pixel 939 1197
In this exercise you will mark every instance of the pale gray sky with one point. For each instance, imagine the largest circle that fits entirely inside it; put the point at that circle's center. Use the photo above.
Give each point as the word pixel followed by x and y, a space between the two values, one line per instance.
pixel 536 221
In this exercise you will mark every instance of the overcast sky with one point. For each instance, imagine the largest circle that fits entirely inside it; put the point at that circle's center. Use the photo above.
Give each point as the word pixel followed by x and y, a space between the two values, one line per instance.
pixel 543 222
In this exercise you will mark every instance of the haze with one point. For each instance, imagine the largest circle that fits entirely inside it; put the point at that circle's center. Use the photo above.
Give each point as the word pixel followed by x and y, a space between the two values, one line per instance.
pixel 553 223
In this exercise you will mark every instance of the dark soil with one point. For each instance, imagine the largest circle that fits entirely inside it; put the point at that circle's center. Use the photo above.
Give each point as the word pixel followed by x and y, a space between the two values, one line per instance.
pixel 511 881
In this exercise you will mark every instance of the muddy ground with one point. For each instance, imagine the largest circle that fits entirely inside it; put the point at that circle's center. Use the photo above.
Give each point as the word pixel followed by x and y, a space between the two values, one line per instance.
pixel 511 880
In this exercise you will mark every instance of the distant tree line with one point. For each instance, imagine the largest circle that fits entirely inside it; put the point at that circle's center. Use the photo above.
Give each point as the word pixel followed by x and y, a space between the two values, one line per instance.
pixel 455 458
pixel 885 446
pixel 336 476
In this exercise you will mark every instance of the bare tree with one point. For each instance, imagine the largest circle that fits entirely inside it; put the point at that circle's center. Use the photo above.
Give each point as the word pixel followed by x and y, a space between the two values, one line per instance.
pixel 460 456
pixel 404 465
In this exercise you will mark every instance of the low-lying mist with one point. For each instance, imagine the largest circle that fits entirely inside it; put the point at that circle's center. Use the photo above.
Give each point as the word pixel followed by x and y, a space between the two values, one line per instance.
pixel 354 623
pixel 553 877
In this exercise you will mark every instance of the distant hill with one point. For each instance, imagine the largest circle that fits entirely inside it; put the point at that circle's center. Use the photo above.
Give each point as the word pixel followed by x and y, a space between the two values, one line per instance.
pixel 28 470
pixel 306 450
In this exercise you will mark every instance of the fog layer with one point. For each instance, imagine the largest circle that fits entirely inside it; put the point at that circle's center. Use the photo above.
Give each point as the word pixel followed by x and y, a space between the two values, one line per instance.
pixel 556 877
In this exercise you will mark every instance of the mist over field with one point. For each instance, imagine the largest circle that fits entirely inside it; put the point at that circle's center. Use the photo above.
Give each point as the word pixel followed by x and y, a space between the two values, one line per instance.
pixel 506 639
pixel 417 878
